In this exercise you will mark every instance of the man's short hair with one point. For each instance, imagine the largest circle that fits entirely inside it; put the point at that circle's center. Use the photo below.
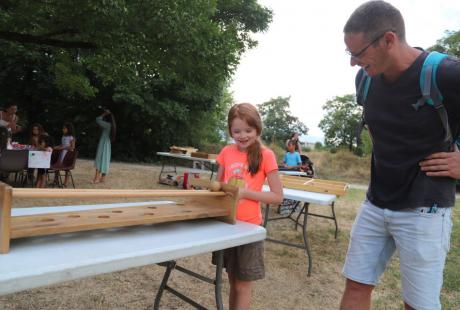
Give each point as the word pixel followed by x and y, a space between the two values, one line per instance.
pixel 373 18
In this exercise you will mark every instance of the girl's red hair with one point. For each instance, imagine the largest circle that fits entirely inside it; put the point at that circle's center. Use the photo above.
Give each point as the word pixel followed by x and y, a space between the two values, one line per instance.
pixel 248 113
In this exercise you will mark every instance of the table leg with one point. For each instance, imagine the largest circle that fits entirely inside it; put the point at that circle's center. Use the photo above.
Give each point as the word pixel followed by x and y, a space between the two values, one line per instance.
pixel 169 267
pixel 218 281
pixel 305 238
pixel 305 245
pixel 163 170
pixel 335 221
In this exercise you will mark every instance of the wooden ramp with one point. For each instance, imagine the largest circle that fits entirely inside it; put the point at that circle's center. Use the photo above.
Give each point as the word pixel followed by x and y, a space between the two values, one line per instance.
pixel 314 185
pixel 196 204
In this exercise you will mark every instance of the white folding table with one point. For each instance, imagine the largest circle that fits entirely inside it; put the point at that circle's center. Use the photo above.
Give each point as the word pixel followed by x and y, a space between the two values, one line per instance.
pixel 304 199
pixel 38 261
pixel 209 164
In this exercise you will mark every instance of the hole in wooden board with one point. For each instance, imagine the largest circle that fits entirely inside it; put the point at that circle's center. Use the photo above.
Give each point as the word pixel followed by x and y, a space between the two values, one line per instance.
pixel 47 220
pixel 103 216
pixel 117 211
pixel 152 207
pixel 74 216
pixel 186 211
pixel 149 213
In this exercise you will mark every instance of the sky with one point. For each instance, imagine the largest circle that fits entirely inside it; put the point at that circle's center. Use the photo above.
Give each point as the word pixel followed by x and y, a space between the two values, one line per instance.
pixel 302 54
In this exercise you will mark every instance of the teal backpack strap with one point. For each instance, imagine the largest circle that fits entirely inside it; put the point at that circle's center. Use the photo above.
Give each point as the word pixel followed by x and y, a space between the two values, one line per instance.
pixel 361 96
pixel 363 88
pixel 430 91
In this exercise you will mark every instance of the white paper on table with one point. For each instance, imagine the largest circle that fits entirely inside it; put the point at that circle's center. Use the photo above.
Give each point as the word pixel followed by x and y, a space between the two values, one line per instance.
pixel 39 159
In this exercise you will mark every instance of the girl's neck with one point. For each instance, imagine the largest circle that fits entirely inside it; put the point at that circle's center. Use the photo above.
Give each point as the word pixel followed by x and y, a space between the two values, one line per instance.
pixel 245 150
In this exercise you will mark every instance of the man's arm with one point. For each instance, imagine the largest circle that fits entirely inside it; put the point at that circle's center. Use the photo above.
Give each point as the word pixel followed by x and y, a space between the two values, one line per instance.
pixel 447 164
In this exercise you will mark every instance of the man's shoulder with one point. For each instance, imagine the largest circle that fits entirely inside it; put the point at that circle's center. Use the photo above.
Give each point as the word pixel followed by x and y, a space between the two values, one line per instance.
pixel 450 67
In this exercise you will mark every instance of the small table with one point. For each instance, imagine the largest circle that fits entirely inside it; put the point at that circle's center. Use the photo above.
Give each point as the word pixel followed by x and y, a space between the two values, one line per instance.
pixel 304 199
pixel 38 261
pixel 210 164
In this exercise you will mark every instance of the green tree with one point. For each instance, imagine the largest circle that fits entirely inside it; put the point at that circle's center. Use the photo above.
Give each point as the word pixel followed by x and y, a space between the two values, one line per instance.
pixel 318 146
pixel 161 66
pixel 279 124
pixel 342 116
pixel 449 44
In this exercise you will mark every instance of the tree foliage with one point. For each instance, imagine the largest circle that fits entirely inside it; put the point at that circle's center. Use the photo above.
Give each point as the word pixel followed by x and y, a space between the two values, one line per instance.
pixel 340 122
pixel 161 66
pixel 449 44
pixel 279 124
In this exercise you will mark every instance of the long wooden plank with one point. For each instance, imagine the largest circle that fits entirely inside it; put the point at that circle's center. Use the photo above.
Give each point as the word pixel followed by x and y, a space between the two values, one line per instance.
pixel 55 223
pixel 108 193
pixel 5 217
pixel 315 185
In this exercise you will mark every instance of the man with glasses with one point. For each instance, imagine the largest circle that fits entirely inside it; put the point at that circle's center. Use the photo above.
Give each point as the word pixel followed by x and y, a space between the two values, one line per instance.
pixel 406 209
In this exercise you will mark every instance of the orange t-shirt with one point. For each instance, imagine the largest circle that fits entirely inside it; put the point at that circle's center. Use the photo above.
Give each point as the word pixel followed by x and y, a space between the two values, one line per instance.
pixel 235 165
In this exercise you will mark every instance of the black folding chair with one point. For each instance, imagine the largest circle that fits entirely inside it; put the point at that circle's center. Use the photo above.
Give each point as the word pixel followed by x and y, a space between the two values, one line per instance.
pixel 15 161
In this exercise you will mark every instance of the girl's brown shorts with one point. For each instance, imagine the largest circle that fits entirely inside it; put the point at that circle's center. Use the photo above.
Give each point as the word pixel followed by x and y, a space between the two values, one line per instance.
pixel 245 262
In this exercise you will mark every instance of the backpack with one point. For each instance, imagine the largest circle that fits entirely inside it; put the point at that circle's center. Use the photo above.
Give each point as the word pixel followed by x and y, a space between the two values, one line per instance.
pixel 429 89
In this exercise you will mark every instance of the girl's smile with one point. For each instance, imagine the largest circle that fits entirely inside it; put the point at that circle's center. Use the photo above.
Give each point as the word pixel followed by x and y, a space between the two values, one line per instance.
pixel 243 134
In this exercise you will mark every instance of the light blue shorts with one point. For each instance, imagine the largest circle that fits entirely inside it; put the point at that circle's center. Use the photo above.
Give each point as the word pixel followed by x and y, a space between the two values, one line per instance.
pixel 422 240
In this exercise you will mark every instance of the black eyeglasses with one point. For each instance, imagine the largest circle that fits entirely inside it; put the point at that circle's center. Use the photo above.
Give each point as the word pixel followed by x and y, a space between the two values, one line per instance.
pixel 357 55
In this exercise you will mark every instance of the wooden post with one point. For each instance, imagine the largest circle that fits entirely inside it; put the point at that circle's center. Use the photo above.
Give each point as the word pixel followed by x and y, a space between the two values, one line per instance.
pixel 5 217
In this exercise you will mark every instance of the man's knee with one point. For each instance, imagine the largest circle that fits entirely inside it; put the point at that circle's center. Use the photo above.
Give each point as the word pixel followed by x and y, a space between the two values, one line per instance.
pixel 358 288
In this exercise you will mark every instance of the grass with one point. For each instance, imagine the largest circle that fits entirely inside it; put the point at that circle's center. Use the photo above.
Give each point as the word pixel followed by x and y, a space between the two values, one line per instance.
pixel 286 285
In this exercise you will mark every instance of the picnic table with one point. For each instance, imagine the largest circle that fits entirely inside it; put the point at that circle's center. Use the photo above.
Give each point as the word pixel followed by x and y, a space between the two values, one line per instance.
pixel 38 261
pixel 171 159
pixel 303 200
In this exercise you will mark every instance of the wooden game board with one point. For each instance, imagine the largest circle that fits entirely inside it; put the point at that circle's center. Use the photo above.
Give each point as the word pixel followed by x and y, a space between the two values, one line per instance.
pixel 189 205
pixel 314 185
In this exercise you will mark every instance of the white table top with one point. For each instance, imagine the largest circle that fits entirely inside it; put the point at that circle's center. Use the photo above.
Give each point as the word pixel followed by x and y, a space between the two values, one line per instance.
pixel 186 156
pixel 38 261
pixel 292 172
pixel 304 196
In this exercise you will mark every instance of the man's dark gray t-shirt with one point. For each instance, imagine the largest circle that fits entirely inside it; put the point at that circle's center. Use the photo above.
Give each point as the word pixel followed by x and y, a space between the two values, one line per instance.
pixel 403 136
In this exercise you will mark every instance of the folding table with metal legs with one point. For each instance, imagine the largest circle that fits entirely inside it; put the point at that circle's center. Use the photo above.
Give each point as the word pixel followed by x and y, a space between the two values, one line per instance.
pixel 217 282
pixel 303 199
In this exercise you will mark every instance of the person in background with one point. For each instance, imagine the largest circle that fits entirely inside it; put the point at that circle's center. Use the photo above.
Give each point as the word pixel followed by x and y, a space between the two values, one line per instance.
pixel 292 160
pixel 106 122
pixel 35 133
pixel 44 144
pixel 9 119
pixel 67 144
pixel 295 140
pixel 251 163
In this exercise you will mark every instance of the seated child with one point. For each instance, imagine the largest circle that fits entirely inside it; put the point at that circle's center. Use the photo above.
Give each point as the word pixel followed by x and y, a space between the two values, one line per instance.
pixel 307 166
pixel 292 160
pixel 67 144
pixel 44 142
pixel 35 133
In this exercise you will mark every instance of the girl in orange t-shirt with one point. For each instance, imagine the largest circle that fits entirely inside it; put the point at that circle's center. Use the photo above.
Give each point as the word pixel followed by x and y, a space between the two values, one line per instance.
pixel 247 160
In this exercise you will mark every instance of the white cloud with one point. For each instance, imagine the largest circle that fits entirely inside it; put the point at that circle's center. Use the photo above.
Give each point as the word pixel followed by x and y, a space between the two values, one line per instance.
pixel 302 53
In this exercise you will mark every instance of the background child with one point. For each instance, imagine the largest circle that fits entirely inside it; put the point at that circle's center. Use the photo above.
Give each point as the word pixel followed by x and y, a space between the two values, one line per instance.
pixel 67 144
pixel 44 142
pixel 249 161
pixel 292 160
pixel 35 133
pixel 106 122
